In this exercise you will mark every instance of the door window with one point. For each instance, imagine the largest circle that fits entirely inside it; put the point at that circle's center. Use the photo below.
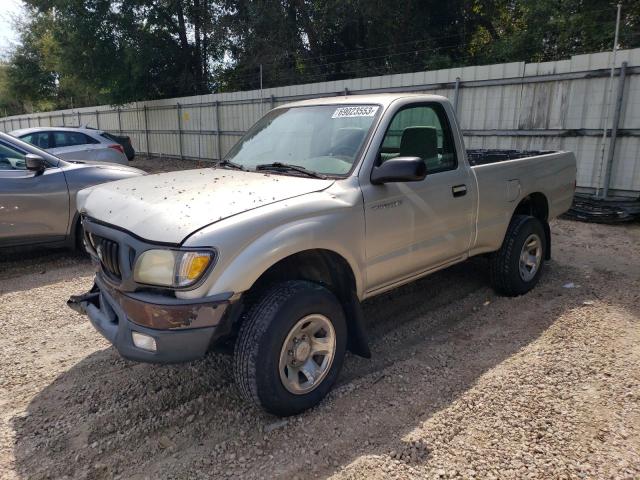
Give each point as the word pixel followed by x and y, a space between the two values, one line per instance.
pixel 70 139
pixel 421 131
pixel 39 139
pixel 11 159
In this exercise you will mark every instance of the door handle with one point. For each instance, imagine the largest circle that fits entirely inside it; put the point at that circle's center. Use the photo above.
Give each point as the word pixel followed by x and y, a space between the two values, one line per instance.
pixel 459 190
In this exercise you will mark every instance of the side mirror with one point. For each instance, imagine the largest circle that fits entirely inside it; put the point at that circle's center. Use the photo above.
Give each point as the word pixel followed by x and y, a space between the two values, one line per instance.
pixel 35 163
pixel 399 169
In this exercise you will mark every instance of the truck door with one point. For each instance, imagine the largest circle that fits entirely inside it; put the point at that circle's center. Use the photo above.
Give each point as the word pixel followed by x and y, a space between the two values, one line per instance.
pixel 413 227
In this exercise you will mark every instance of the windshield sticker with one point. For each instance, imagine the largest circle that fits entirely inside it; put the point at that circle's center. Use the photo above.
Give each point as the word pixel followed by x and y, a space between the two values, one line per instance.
pixel 360 111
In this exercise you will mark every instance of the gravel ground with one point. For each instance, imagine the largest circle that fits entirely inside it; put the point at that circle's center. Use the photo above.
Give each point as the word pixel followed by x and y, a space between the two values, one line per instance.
pixel 462 384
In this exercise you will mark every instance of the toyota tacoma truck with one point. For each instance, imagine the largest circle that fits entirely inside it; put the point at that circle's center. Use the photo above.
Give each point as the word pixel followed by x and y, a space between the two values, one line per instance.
pixel 322 204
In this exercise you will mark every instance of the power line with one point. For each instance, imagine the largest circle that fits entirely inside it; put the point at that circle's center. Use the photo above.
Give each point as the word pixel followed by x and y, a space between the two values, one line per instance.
pixel 395 45
pixel 458 45
pixel 290 73
pixel 293 77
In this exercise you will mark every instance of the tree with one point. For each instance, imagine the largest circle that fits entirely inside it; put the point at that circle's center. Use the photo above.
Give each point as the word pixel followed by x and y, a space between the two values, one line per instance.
pixel 89 52
pixel 77 53
pixel 9 104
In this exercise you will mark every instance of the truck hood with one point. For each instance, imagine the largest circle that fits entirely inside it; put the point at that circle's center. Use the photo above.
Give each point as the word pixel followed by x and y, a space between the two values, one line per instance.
pixel 168 207
pixel 80 164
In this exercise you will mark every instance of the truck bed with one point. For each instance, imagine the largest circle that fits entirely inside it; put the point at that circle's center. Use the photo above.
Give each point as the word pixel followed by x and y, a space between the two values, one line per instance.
pixel 503 184
pixel 481 156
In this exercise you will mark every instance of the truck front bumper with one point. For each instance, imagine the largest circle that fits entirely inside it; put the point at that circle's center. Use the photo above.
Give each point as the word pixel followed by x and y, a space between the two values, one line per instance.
pixel 182 330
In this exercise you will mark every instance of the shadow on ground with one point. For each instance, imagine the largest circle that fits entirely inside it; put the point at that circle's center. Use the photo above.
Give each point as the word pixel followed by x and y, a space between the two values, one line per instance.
pixel 32 267
pixel 108 417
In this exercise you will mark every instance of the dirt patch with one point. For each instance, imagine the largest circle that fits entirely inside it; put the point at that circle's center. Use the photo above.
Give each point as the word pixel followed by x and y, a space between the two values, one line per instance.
pixel 153 164
pixel 462 383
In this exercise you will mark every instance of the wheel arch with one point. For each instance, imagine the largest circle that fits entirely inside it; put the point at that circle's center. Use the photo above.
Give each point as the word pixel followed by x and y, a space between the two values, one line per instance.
pixel 73 237
pixel 329 269
pixel 536 205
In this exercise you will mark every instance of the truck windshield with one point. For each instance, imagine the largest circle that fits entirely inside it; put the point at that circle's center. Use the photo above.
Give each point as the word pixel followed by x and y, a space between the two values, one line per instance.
pixel 325 139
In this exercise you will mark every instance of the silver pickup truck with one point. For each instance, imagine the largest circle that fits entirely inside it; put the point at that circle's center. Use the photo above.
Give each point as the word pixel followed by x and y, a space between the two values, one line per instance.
pixel 321 205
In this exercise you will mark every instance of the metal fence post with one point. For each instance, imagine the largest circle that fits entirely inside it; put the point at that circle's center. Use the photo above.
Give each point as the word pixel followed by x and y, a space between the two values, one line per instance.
pixel 63 122
pixel 98 119
pixel 218 130
pixel 79 120
pixel 119 121
pixel 273 102
pixel 179 130
pixel 614 130
pixel 146 131
pixel 456 93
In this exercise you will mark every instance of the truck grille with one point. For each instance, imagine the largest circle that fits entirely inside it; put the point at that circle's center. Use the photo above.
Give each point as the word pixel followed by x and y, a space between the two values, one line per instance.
pixel 107 251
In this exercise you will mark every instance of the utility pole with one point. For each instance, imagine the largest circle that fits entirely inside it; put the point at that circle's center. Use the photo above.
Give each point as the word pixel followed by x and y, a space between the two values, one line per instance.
pixel 599 189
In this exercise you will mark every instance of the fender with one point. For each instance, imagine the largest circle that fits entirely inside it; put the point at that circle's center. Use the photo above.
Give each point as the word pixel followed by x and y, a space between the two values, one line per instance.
pixel 240 272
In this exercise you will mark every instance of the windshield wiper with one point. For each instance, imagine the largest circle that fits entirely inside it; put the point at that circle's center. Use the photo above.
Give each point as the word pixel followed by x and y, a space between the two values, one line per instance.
pixel 228 163
pixel 279 166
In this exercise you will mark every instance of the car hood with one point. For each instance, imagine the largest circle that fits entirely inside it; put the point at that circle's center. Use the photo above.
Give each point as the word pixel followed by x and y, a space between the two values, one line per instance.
pixel 168 207
pixel 101 165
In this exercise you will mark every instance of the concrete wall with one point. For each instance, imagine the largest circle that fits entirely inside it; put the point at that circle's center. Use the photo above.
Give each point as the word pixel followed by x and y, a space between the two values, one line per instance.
pixel 550 105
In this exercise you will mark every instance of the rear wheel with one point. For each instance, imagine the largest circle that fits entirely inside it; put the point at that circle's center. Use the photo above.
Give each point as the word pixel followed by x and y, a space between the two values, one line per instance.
pixel 516 267
pixel 290 348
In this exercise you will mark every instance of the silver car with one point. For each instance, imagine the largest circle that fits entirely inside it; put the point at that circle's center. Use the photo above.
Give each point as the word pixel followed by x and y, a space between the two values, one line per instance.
pixel 71 143
pixel 38 194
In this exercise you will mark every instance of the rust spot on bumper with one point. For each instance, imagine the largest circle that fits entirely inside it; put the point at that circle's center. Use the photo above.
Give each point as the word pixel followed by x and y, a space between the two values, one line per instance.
pixel 170 317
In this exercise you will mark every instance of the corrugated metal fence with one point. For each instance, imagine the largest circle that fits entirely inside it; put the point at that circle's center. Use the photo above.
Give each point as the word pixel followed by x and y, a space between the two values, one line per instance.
pixel 551 105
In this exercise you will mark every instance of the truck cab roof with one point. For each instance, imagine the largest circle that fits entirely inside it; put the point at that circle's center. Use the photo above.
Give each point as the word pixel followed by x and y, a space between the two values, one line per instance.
pixel 383 99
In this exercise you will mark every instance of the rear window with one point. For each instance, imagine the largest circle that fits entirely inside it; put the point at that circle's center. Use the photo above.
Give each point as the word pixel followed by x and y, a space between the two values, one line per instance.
pixel 108 136
pixel 70 139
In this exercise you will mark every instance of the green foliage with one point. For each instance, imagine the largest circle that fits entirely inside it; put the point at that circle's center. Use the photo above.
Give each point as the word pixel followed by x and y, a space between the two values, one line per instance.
pixel 9 105
pixel 90 52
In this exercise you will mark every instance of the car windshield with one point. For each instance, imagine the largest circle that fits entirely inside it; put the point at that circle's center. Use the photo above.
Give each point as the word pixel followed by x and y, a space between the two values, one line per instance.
pixel 325 139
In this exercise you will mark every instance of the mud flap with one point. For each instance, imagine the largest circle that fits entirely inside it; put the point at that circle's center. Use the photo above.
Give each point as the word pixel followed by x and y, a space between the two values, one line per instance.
pixel 358 338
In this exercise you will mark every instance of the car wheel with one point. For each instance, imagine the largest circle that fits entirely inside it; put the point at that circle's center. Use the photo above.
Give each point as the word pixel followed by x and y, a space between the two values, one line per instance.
pixel 290 348
pixel 516 267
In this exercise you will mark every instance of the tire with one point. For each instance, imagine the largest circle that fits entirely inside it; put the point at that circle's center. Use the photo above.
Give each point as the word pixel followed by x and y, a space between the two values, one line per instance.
pixel 506 275
pixel 79 240
pixel 259 350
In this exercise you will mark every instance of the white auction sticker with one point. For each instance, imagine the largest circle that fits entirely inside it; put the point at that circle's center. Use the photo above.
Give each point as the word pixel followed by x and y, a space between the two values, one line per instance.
pixel 359 111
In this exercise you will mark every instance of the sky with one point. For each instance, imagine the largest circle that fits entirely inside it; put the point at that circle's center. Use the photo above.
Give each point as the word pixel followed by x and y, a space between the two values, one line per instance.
pixel 8 36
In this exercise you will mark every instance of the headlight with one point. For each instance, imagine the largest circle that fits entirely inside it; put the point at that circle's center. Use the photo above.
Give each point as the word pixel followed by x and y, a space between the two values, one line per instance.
pixel 172 268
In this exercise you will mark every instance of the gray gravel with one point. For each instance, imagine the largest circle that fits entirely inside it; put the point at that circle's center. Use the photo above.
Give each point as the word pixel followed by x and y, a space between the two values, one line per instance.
pixel 463 384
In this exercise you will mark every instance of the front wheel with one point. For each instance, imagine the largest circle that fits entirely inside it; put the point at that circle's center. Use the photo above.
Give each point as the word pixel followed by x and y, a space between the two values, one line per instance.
pixel 80 246
pixel 290 348
pixel 516 267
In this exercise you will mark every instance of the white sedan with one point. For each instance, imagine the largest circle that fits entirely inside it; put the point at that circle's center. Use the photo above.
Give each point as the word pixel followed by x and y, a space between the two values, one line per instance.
pixel 74 143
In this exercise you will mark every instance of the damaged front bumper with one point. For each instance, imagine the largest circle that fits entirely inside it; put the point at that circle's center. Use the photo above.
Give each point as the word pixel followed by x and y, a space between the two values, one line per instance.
pixel 182 330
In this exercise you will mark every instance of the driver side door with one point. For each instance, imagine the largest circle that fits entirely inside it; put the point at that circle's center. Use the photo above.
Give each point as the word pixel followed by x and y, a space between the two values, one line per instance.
pixel 415 227
pixel 34 207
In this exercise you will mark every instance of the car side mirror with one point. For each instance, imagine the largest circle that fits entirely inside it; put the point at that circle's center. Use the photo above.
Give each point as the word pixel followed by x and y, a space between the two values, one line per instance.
pixel 35 163
pixel 399 169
